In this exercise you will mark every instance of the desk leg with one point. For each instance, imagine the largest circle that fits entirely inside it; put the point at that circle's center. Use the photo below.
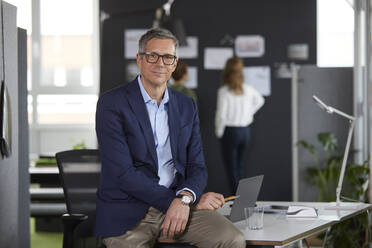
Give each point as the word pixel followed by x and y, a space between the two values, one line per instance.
pixel 369 227
pixel 306 243
pixel 326 236
pixel 300 243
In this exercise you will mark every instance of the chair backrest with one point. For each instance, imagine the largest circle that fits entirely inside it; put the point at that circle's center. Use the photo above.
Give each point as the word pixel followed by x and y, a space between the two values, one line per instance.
pixel 79 172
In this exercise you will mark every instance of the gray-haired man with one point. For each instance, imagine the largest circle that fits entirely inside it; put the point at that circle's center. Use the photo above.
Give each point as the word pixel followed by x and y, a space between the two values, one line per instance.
pixel 153 170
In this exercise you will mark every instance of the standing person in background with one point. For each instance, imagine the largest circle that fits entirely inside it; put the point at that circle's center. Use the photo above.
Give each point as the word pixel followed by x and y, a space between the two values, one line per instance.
pixel 236 104
pixel 180 76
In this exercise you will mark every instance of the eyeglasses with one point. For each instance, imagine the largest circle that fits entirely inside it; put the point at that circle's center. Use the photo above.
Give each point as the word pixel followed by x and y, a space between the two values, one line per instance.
pixel 154 57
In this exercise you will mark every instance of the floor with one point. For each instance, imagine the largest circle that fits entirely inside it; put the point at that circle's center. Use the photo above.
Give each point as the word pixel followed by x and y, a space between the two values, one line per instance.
pixel 44 239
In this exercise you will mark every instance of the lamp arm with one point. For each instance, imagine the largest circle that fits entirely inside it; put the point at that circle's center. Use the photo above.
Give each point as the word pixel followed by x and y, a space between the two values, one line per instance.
pixel 344 161
pixel 167 7
pixel 333 110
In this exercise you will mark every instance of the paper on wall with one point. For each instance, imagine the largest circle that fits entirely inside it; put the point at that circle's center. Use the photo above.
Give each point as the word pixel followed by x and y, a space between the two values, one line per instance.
pixel 249 46
pixel 298 51
pixel 191 50
pixel 131 38
pixel 259 77
pixel 215 58
pixel 192 81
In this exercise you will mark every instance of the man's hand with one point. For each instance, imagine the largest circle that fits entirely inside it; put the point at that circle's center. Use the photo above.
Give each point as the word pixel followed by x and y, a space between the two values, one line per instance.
pixel 210 201
pixel 175 219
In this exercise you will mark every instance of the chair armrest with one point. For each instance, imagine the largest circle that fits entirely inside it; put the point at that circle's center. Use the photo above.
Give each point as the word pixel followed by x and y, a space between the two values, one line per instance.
pixel 70 221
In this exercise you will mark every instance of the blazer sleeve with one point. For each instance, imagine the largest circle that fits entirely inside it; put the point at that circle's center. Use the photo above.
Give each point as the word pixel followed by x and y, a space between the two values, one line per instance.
pixel 196 172
pixel 117 162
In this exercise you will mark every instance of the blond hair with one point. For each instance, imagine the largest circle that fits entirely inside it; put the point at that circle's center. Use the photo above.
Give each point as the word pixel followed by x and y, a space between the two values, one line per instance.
pixel 232 75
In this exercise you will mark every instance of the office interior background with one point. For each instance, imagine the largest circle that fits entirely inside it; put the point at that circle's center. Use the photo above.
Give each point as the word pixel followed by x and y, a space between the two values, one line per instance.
pixel 75 50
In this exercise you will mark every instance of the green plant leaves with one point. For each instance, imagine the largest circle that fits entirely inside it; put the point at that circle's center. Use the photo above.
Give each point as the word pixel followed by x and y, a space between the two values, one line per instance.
pixel 80 145
pixel 325 174
pixel 328 141
pixel 308 146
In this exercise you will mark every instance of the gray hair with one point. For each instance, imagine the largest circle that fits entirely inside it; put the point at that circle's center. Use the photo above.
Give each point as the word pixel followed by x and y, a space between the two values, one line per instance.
pixel 158 33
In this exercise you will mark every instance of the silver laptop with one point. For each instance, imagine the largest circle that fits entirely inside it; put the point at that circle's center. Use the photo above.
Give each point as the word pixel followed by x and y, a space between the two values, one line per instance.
pixel 248 190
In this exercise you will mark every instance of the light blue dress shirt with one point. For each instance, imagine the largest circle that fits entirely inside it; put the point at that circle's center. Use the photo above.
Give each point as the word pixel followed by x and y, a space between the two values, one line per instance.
pixel 158 116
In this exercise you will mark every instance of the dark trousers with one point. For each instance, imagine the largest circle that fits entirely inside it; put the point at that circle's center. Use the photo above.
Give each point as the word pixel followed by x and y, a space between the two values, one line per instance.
pixel 234 144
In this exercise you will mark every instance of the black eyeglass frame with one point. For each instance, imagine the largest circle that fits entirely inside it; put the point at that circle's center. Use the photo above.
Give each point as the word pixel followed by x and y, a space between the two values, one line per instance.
pixel 147 54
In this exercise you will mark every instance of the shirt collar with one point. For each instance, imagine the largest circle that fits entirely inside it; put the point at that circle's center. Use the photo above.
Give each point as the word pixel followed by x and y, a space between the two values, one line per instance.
pixel 147 98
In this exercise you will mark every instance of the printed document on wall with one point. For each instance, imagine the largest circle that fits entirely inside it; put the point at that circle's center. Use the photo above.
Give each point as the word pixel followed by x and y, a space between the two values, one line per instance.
pixel 192 79
pixel 215 58
pixel 191 50
pixel 131 38
pixel 247 46
pixel 259 77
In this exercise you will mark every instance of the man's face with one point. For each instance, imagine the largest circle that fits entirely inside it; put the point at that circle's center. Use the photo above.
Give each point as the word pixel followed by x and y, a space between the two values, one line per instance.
pixel 158 73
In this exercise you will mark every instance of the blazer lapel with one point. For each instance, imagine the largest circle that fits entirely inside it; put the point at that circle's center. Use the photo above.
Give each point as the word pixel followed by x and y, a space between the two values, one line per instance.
pixel 139 109
pixel 174 127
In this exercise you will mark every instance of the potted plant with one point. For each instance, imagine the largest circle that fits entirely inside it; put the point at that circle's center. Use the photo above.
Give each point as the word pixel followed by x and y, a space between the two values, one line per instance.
pixel 324 175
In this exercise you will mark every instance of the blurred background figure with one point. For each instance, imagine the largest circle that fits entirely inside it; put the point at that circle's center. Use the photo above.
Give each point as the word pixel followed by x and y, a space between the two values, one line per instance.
pixel 236 104
pixel 180 76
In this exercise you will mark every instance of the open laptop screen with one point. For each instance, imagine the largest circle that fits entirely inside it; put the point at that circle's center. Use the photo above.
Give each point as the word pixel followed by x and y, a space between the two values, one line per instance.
pixel 248 190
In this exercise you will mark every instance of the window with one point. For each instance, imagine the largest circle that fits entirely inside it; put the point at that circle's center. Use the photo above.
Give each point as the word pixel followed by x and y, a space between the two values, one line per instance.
pixel 335 33
pixel 62 71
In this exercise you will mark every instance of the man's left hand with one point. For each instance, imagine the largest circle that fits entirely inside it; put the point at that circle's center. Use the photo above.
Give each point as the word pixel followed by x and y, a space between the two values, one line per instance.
pixel 175 219
pixel 210 201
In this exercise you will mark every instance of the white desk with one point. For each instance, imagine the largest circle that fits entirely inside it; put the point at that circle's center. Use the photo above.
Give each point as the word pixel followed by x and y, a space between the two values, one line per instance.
pixel 279 230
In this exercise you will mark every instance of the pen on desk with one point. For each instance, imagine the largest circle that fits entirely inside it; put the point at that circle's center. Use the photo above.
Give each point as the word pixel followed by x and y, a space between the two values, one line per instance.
pixel 231 198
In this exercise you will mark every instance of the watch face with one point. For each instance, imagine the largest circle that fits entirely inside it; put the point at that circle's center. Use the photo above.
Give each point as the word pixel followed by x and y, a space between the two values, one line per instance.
pixel 186 199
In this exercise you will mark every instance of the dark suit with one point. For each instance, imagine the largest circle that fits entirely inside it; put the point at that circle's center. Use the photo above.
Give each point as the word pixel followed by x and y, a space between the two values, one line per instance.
pixel 129 181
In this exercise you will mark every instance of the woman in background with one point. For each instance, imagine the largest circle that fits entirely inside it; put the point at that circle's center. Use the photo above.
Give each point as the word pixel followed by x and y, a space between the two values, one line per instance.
pixel 180 76
pixel 236 104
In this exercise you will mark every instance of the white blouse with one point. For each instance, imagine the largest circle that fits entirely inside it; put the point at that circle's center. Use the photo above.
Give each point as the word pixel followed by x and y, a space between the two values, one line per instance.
pixel 236 110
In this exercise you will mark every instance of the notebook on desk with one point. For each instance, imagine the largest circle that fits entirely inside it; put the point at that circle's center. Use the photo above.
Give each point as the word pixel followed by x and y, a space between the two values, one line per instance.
pixel 302 212
pixel 248 190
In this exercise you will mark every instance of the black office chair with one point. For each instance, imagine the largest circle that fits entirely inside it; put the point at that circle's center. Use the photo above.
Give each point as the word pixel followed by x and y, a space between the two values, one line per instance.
pixel 79 172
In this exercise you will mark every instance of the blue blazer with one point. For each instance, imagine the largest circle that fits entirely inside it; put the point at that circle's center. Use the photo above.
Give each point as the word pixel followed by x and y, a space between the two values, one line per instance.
pixel 129 181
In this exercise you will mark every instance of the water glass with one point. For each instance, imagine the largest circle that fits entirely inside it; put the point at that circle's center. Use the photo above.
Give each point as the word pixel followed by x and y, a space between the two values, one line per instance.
pixel 254 217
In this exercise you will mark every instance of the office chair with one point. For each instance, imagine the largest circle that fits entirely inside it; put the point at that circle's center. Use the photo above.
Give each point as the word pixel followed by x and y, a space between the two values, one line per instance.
pixel 79 172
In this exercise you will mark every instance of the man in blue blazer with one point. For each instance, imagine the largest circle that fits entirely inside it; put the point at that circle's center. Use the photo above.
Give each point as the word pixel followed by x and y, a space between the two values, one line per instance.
pixel 153 167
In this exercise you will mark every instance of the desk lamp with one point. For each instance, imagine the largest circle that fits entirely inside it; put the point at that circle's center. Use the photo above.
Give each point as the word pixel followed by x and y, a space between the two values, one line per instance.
pixel 330 110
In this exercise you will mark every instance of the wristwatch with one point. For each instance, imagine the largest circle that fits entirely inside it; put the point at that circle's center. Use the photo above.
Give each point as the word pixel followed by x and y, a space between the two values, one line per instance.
pixel 185 199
